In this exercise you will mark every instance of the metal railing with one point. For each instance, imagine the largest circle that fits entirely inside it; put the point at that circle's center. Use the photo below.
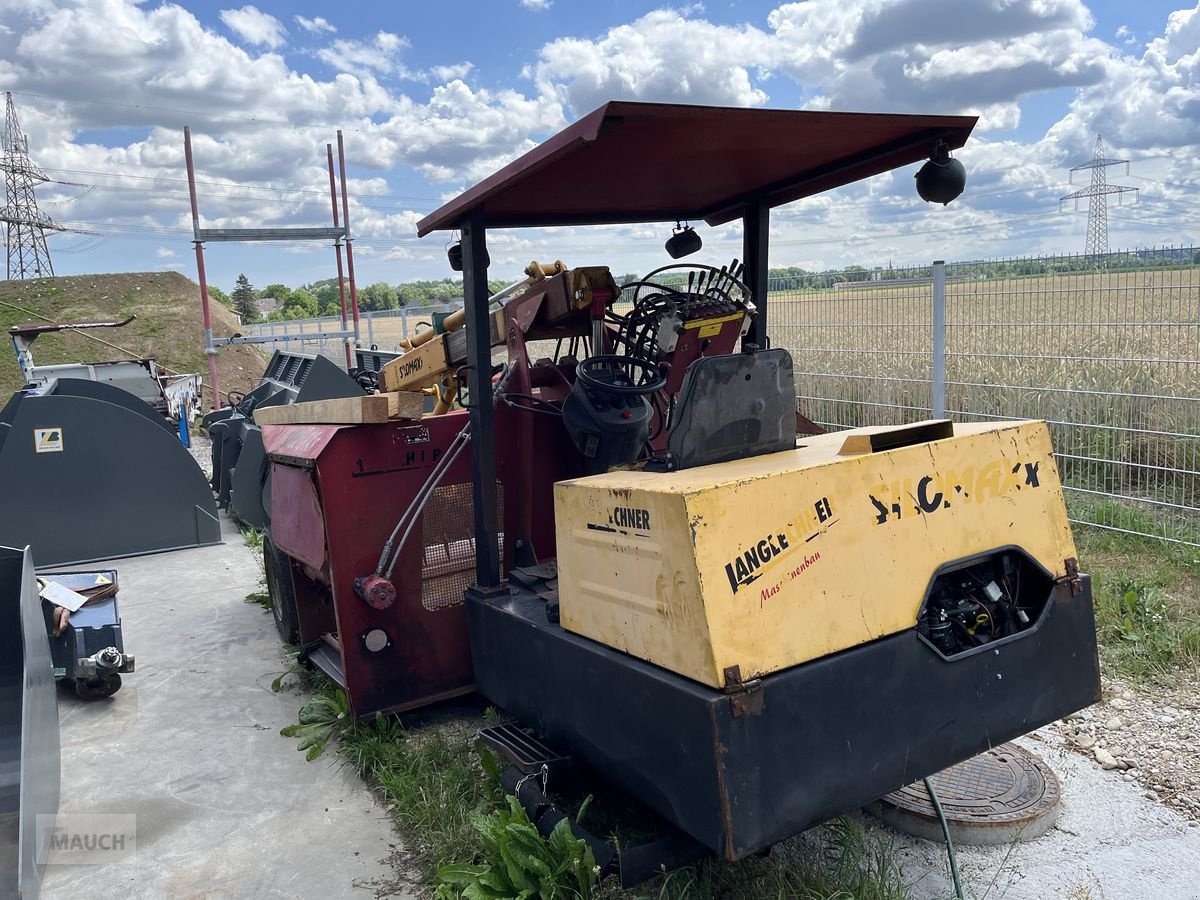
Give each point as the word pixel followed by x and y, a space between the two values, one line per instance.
pixel 1107 350
pixel 381 329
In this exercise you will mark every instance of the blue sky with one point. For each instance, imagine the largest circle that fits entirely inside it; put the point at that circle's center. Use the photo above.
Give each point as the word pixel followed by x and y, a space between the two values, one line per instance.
pixel 432 97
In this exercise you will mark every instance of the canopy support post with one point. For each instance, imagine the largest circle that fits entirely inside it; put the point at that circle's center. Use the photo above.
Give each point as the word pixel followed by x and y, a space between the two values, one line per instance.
pixel 479 369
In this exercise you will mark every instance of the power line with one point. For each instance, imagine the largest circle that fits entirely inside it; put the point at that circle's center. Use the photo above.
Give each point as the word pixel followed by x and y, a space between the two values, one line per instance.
pixel 229 184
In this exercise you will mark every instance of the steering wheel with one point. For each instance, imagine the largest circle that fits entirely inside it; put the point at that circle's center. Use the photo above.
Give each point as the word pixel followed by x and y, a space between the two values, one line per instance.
pixel 652 379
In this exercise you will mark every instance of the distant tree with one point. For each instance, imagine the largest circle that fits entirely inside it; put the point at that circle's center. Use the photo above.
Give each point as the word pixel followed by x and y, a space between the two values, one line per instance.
pixel 215 293
pixel 245 301
pixel 299 304
pixel 329 301
pixel 379 295
pixel 275 291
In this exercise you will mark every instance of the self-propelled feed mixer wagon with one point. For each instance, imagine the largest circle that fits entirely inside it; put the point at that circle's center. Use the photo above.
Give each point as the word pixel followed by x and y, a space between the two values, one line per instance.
pixel 623 534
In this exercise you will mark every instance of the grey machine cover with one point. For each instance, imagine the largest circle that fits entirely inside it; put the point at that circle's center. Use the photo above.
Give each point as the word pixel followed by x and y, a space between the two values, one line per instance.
pixel 89 472
pixel 29 748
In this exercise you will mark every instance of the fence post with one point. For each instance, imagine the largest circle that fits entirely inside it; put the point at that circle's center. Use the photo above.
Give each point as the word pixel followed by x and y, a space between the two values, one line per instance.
pixel 938 399
pixel 370 317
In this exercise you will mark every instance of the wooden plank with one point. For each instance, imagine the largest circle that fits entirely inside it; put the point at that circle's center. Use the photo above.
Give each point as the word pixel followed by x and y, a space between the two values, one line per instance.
pixel 366 410
pixel 340 411
pixel 405 404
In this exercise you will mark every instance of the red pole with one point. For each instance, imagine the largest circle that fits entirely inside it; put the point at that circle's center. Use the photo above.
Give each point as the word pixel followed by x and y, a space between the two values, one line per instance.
pixel 349 249
pixel 209 349
pixel 337 247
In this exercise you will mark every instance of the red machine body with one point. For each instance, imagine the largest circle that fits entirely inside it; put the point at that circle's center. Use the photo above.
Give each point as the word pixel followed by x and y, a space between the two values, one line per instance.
pixel 336 493
pixel 397 640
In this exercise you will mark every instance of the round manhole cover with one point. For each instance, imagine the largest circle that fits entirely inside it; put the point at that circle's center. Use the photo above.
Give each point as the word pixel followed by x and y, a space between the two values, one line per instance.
pixel 1003 795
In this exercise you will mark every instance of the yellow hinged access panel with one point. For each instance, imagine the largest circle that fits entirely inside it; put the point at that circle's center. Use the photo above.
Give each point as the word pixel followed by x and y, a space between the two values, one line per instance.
pixel 768 562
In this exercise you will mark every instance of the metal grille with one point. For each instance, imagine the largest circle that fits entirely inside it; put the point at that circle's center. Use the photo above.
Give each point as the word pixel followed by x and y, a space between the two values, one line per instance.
pixel 1107 350
pixel 448 558
pixel 860 343
pixel 1110 358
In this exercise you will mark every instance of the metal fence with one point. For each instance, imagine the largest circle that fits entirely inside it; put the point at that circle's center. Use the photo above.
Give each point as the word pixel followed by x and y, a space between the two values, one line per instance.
pixel 382 329
pixel 1107 350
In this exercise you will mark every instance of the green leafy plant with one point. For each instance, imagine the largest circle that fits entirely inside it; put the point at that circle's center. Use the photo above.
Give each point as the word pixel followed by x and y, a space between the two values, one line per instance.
pixel 519 863
pixel 322 718
pixel 262 598
pixel 375 746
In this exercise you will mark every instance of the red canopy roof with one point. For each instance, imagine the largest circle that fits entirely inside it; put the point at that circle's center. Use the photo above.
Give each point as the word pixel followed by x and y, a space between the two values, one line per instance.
pixel 660 162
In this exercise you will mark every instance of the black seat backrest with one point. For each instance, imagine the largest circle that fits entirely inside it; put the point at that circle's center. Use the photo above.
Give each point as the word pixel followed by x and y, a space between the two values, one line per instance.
pixel 732 407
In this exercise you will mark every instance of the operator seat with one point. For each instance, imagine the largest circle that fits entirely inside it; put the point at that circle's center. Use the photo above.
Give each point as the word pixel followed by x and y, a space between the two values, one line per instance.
pixel 732 407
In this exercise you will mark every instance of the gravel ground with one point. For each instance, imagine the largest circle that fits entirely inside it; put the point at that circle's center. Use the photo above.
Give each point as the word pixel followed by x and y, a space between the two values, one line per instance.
pixel 201 451
pixel 1148 733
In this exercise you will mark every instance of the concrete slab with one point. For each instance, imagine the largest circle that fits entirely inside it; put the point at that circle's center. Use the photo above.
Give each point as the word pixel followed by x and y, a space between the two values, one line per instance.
pixel 190 745
pixel 1110 842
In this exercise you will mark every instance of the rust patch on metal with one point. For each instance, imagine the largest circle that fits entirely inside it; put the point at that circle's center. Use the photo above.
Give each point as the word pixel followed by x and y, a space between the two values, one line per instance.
pixel 1071 566
pixel 733 679
pixel 748 701
pixel 722 793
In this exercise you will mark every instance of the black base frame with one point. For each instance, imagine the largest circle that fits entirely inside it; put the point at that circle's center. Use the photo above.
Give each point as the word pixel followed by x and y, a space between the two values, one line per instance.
pixel 740 772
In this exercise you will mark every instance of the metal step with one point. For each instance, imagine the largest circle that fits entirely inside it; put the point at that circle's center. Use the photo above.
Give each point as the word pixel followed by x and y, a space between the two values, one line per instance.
pixel 328 660
pixel 522 748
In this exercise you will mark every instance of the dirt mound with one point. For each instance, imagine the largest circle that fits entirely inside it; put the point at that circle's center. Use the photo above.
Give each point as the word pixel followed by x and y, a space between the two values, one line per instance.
pixel 169 325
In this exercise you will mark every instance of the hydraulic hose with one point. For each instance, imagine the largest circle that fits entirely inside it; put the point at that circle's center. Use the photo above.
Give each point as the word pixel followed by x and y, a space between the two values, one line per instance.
pixel 937 805
pixel 418 503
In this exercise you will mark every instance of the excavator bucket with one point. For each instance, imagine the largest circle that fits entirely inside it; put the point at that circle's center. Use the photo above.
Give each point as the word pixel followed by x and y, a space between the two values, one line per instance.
pixel 240 472
pixel 91 472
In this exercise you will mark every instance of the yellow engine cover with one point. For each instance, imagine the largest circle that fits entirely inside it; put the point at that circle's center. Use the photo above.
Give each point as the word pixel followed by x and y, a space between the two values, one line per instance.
pixel 768 562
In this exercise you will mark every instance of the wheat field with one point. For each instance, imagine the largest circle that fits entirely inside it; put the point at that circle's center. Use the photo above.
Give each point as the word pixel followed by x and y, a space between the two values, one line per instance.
pixel 1112 361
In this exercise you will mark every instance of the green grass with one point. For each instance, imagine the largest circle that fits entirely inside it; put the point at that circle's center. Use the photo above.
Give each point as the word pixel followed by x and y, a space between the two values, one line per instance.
pixel 428 770
pixel 254 540
pixel 1147 599
pixel 838 861
pixel 169 325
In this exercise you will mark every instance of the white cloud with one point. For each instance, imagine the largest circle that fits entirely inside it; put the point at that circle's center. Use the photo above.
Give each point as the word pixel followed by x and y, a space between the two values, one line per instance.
pixel 380 56
pixel 450 73
pixel 1125 35
pixel 662 56
pixel 1147 103
pixel 943 56
pixel 315 25
pixel 255 26
pixel 461 133
pixel 537 5
pixel 164 253
pixel 160 62
pixel 260 119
